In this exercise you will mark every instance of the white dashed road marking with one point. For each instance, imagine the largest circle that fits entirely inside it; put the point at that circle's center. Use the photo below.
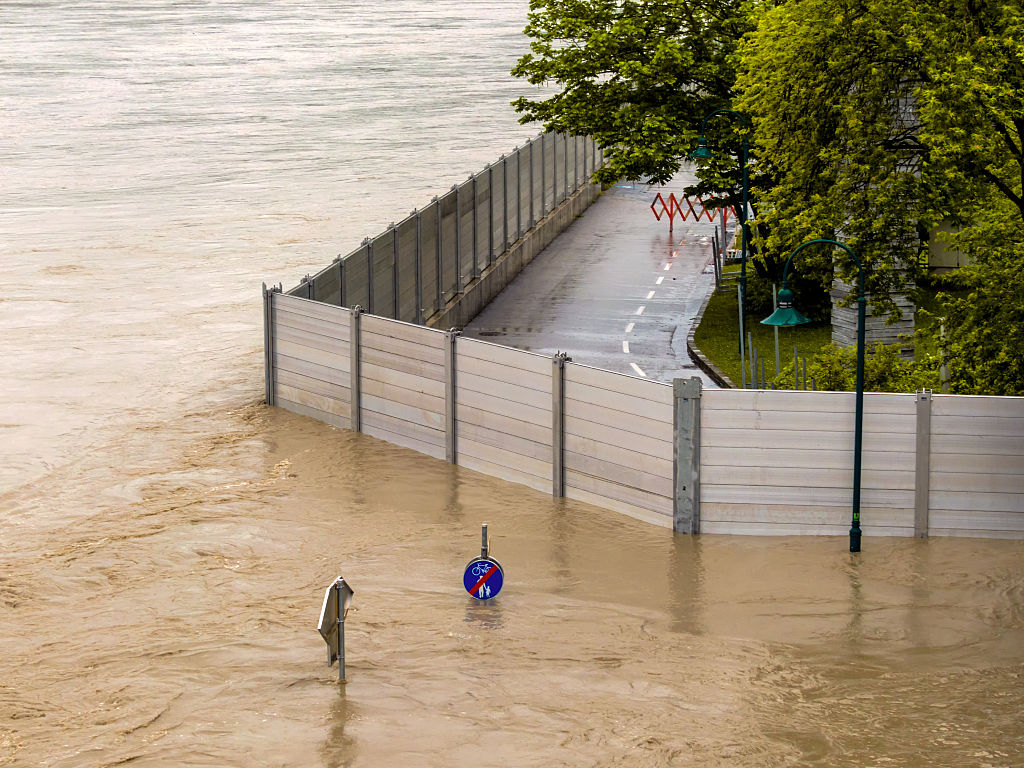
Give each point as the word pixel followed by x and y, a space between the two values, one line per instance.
pixel 650 295
pixel 660 280
pixel 625 347
pixel 640 311
pixel 637 369
pixel 629 328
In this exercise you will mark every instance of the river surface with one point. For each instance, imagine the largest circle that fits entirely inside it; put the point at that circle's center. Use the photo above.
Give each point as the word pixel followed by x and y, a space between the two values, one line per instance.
pixel 166 539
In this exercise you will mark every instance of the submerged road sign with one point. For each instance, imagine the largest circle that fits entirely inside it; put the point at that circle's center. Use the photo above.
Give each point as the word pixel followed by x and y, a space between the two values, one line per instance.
pixel 337 600
pixel 483 578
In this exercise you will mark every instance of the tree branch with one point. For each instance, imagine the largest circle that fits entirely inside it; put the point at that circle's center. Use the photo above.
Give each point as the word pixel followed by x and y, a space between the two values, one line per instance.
pixel 1005 189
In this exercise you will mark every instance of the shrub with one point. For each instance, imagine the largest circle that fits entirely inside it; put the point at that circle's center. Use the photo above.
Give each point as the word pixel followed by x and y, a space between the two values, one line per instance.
pixel 834 368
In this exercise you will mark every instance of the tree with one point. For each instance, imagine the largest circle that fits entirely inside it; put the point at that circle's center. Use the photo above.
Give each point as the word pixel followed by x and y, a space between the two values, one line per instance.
pixel 830 87
pixel 637 75
pixel 878 121
pixel 972 113
pixel 984 342
pixel 874 121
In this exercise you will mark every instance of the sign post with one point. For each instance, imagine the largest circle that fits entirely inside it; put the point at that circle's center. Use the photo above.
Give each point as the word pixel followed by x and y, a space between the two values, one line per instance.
pixel 337 601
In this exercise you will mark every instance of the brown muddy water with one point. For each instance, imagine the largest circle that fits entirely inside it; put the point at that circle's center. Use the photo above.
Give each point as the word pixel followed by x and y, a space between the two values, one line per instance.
pixel 166 539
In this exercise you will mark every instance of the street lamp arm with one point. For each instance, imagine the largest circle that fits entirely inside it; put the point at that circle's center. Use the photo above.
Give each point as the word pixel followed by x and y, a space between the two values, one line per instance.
pixel 860 265
pixel 731 113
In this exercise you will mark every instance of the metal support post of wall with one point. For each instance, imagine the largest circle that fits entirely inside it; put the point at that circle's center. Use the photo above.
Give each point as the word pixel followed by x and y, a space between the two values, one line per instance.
pixel 475 271
pixel 519 194
pixel 490 216
pixel 419 268
pixel 922 481
pixel 587 149
pixel 394 273
pixel 458 240
pixel 543 180
pixel 686 455
pixel 369 274
pixel 309 286
pixel 439 298
pixel 565 162
pixel 554 171
pixel 533 220
pixel 575 163
pixel 558 423
pixel 504 203
pixel 343 285
pixel 341 280
pixel 450 448
pixel 268 340
pixel 355 374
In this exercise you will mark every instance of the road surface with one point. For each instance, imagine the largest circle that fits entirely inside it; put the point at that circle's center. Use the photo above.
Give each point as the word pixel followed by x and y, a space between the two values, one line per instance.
pixel 613 290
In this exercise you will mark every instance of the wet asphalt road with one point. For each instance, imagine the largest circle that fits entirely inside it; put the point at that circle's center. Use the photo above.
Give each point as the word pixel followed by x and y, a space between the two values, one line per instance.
pixel 613 290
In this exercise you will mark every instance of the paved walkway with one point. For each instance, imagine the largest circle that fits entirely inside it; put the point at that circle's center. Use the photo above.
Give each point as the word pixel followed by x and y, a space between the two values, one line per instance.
pixel 613 290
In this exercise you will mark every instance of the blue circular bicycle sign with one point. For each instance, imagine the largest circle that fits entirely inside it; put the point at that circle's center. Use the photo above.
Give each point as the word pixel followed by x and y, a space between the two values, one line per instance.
pixel 483 578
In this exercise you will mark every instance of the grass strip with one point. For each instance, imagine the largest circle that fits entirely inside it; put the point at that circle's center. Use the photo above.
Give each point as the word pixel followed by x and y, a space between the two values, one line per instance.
pixel 717 336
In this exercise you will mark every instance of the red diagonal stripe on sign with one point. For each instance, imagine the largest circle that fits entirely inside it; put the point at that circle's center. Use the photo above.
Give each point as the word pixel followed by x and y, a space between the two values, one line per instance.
pixel 483 579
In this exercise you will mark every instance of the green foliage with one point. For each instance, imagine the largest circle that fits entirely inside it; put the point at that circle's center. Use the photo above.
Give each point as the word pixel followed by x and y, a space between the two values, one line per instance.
pixel 835 369
pixel 811 300
pixel 829 85
pixel 873 122
pixel 971 106
pixel 984 341
pixel 636 75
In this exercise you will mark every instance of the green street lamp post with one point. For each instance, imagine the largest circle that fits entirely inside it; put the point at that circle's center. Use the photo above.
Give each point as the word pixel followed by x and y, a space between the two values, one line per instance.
pixel 786 314
pixel 703 153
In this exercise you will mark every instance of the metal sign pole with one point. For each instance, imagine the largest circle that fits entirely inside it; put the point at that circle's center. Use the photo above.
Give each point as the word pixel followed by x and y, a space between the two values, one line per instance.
pixel 338 585
pixel 484 547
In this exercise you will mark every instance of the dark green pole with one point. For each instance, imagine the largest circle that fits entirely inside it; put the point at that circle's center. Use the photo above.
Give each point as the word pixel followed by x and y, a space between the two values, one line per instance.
pixel 858 423
pixel 858 428
pixel 745 234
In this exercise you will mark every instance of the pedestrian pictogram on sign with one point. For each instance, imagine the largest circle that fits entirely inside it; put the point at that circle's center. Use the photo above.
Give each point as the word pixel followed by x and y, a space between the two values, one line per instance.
pixel 483 578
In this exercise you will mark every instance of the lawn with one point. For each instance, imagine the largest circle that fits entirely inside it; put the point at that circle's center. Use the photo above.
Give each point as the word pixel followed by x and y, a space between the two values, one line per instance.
pixel 717 337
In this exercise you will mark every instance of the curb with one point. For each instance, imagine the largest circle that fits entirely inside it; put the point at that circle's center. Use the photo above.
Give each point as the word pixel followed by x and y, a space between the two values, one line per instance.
pixel 698 357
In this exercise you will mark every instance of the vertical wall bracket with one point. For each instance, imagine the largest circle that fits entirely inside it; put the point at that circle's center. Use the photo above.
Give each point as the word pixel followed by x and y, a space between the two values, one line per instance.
pixel 504 206
pixel 686 455
pixel 268 341
pixel 543 180
pixel 922 470
pixel 355 374
pixel 554 171
pixel 369 274
pixel 558 423
pixel 533 219
pixel 450 447
pixel 394 272
pixel 341 281
pixel 419 269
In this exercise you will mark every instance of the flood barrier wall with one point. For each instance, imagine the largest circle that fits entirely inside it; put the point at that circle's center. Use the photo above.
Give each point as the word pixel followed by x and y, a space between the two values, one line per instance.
pixel 441 264
pixel 716 461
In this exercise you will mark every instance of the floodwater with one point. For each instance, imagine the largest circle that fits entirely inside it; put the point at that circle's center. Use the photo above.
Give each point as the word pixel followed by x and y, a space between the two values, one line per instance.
pixel 166 539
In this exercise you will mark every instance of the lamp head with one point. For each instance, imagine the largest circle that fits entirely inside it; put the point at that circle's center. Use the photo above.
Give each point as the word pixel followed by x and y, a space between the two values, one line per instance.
pixel 701 152
pixel 786 314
